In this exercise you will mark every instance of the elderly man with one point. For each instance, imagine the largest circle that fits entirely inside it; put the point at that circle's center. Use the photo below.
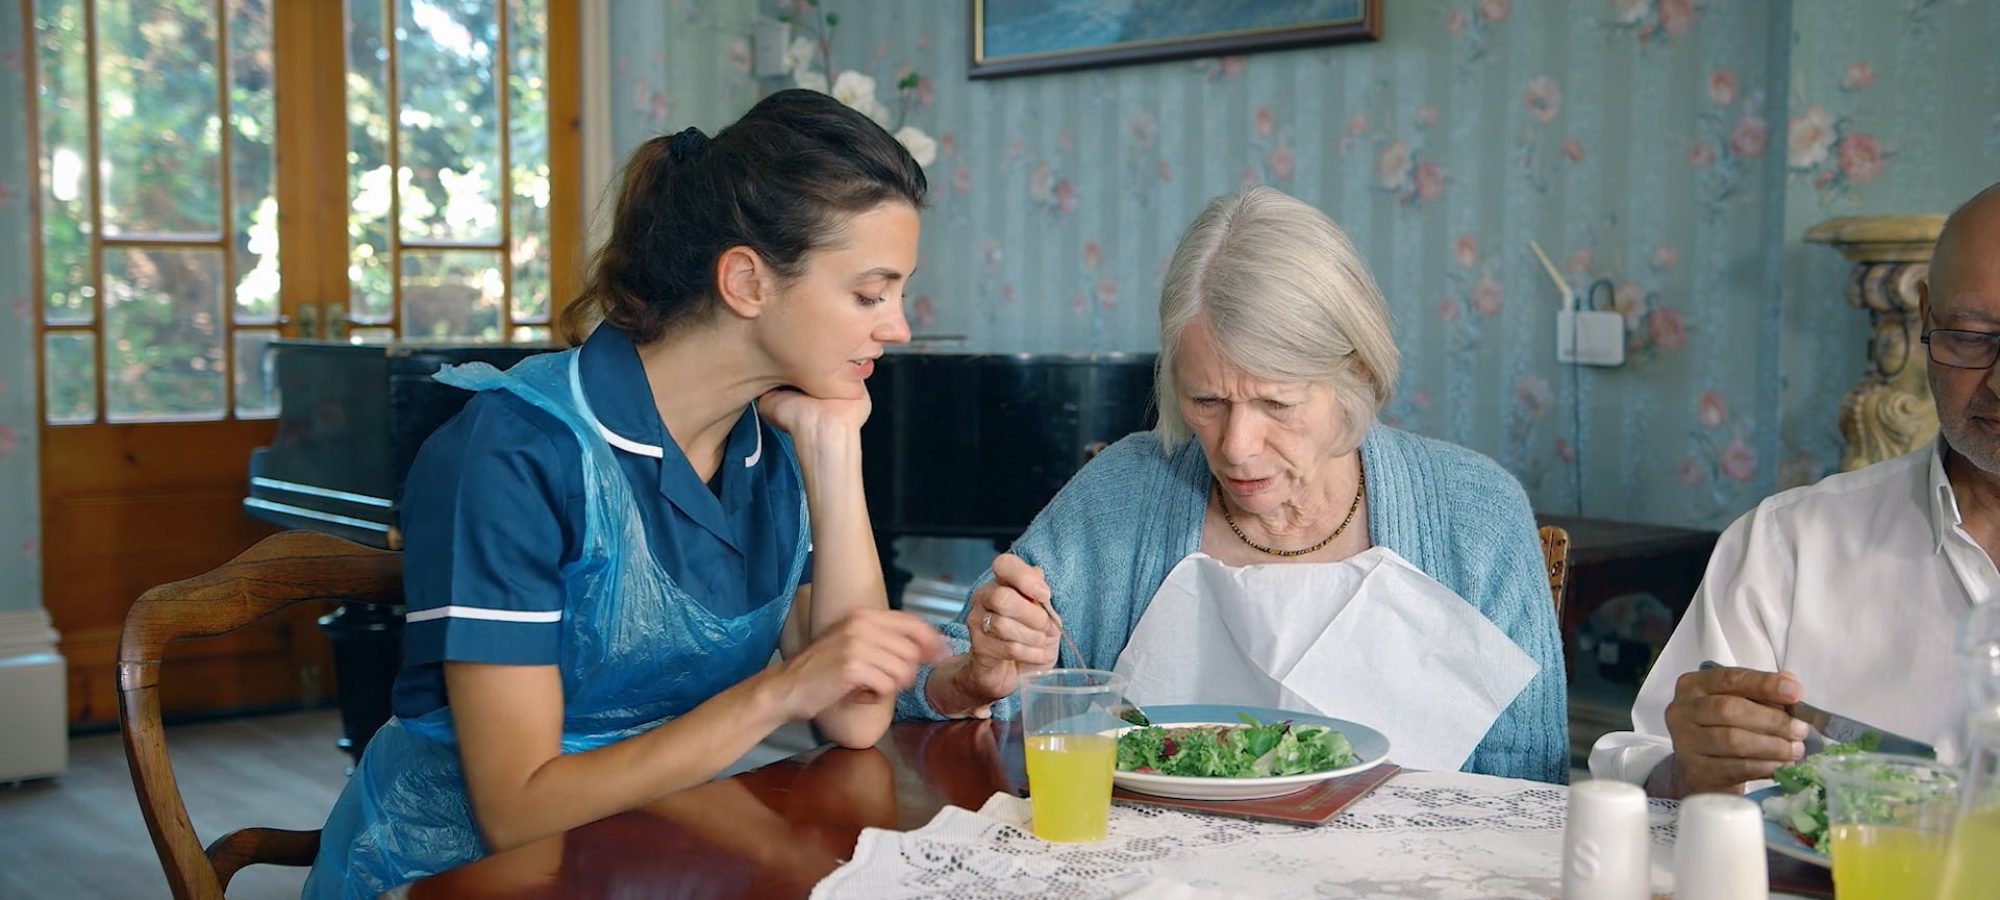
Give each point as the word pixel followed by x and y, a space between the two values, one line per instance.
pixel 1846 593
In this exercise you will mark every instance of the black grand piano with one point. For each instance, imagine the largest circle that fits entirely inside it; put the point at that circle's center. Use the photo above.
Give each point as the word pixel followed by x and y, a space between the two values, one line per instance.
pixel 967 445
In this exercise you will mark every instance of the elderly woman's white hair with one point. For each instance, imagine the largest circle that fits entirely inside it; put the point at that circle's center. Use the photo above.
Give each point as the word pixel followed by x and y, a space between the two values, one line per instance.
pixel 1287 299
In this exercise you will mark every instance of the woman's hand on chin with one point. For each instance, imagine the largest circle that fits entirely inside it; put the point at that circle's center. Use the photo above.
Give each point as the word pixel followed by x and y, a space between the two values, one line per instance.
pixel 807 418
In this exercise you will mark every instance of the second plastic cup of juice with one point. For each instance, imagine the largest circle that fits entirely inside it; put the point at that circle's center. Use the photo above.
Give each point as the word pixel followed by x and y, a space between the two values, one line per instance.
pixel 1889 821
pixel 1068 717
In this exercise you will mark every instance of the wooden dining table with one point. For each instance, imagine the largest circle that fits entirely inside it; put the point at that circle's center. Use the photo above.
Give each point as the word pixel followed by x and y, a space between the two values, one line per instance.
pixel 778 830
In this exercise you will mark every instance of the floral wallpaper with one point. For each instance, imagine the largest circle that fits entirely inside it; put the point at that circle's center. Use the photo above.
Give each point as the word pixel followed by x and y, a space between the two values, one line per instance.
pixel 1667 154
pixel 20 503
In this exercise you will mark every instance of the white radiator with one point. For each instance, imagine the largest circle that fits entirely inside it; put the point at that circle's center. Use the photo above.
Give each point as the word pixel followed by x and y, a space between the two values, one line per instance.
pixel 34 726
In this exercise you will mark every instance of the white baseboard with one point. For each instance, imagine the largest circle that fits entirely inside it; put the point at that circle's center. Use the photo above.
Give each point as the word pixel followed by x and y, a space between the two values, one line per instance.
pixel 34 715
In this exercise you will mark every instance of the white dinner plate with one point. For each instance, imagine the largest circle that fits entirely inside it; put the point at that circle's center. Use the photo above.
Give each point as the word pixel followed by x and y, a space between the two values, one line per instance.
pixel 1371 748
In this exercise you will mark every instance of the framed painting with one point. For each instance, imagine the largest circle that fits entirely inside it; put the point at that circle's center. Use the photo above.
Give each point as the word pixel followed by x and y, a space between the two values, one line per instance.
pixel 1020 37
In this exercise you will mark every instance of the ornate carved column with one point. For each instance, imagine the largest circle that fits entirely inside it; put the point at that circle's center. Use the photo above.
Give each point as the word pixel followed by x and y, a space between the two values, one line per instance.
pixel 1889 412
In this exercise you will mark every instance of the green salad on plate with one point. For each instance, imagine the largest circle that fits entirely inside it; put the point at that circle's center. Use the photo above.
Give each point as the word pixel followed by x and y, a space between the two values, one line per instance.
pixel 1800 804
pixel 1251 750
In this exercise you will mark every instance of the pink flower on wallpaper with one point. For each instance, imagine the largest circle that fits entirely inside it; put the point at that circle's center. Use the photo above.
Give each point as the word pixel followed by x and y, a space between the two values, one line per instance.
pixel 1454 21
pixel 1165 169
pixel 1739 462
pixel 1356 124
pixel 1392 165
pixel 10 59
pixel 990 254
pixel 1421 397
pixel 1449 310
pixel 1427 115
pixel 1263 121
pixel 1572 149
pixel 1006 292
pixel 1665 256
pixel 9 441
pixel 1282 160
pixel 1465 251
pixel 926 92
pixel 1091 255
pixel 1063 141
pixel 1494 10
pixel 924 41
pixel 1824 178
pixel 961 179
pixel 1711 410
pixel 1808 138
pixel 948 144
pixel 22 308
pixel 1542 97
pixel 1038 182
pixel 1859 76
pixel 1676 16
pixel 1486 296
pixel 881 50
pixel 1628 299
pixel 739 55
pixel 1252 176
pixel 1531 393
pixel 1233 66
pixel 1664 328
pixel 1016 147
pixel 1078 304
pixel 1701 154
pixel 1144 129
pixel 6 195
pixel 660 106
pixel 1064 194
pixel 1565 452
pixel 1429 179
pixel 1690 473
pixel 1580 261
pixel 923 311
pixel 1750 138
pixel 1860 157
pixel 1107 293
pixel 1722 87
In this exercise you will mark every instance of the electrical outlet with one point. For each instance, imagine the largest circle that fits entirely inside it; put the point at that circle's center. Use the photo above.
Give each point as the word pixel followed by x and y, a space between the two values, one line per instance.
pixel 1590 337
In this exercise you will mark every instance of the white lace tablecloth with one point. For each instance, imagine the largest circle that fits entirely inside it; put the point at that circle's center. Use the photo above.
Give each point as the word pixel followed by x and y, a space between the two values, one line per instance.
pixel 1422 835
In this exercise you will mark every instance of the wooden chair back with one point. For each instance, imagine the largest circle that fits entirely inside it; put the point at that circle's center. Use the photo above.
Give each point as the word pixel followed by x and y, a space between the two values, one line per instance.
pixel 1555 553
pixel 276 572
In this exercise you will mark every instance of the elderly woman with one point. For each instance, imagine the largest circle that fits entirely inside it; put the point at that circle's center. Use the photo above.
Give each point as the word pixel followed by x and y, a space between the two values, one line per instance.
pixel 1293 554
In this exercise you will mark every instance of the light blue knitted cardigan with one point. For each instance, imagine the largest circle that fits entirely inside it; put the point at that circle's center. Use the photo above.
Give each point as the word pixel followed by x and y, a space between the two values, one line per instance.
pixel 1110 536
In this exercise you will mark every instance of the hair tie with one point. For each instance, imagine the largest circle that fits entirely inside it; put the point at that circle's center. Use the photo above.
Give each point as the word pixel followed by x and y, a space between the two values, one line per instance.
pixel 686 145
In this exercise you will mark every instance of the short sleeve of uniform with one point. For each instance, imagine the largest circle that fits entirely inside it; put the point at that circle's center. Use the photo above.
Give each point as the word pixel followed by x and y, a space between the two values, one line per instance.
pixel 487 511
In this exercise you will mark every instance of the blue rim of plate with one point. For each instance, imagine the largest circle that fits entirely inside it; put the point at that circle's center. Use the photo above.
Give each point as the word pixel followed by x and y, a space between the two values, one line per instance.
pixel 1781 840
pixel 1371 747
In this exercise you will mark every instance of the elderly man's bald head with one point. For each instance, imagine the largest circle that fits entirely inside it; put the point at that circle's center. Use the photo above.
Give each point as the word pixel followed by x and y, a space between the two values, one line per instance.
pixel 1960 302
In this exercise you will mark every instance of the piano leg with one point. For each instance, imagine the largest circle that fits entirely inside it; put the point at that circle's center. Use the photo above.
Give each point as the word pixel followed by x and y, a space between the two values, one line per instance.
pixel 367 652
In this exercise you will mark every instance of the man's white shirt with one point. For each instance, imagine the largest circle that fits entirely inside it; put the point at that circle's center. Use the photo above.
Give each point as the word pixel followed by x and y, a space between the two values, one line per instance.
pixel 1856 584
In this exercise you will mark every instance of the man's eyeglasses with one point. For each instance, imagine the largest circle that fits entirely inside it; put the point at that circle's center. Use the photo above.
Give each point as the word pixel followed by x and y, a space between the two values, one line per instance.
pixel 1963 349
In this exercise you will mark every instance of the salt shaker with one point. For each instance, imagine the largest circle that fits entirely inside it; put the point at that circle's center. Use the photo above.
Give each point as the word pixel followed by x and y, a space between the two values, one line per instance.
pixel 1606 845
pixel 1719 850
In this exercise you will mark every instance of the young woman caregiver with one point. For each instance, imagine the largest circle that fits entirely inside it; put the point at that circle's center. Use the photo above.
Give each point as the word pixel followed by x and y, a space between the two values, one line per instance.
pixel 604 548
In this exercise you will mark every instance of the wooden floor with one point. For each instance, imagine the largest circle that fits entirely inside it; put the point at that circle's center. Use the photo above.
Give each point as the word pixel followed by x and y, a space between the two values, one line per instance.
pixel 81 836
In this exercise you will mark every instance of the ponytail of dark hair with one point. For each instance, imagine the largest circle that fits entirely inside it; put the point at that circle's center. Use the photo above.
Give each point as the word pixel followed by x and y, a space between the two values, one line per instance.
pixel 779 181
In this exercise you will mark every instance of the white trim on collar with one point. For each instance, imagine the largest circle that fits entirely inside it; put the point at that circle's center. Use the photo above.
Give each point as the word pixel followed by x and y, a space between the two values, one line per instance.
pixel 631 446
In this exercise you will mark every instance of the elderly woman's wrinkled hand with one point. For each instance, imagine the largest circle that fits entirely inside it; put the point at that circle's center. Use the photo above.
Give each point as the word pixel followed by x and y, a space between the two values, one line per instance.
pixel 1013 627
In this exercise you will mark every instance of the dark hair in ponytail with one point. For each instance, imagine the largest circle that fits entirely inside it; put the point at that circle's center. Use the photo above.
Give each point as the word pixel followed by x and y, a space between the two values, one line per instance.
pixel 776 181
